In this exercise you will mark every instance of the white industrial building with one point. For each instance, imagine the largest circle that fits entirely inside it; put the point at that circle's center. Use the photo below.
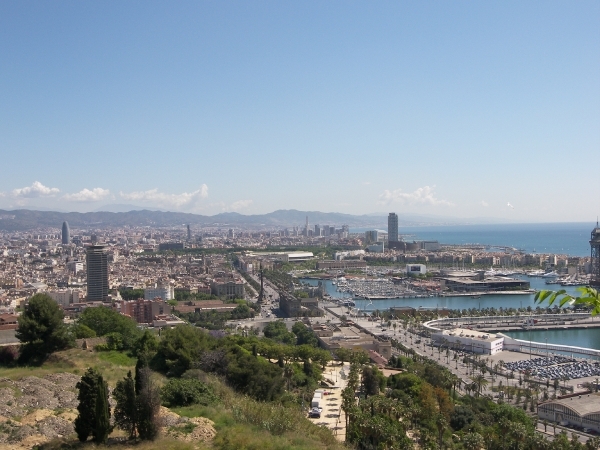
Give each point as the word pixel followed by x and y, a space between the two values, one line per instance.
pixel 470 340
pixel 297 256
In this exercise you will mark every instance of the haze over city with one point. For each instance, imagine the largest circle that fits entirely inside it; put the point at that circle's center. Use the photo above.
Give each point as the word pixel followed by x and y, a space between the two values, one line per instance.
pixel 461 109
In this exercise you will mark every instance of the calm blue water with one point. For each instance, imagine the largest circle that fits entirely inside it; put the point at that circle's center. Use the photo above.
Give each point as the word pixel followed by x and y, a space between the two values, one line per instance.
pixel 559 238
pixel 486 301
pixel 589 338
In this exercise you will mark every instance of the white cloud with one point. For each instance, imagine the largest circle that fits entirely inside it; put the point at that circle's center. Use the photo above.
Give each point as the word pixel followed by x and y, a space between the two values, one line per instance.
pixel 484 203
pixel 87 195
pixel 366 183
pixel 240 204
pixel 422 196
pixel 154 197
pixel 36 190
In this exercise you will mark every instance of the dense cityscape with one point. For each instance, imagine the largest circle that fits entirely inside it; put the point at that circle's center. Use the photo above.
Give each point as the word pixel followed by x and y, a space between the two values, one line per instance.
pixel 249 282
pixel 299 225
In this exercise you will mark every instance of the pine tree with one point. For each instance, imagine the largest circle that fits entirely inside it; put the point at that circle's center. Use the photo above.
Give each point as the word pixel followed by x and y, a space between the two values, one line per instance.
pixel 88 391
pixel 142 363
pixel 126 409
pixel 41 329
pixel 102 423
pixel 148 404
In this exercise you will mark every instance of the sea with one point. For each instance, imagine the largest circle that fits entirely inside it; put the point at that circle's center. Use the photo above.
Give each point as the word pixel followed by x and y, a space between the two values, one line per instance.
pixel 556 238
pixel 586 338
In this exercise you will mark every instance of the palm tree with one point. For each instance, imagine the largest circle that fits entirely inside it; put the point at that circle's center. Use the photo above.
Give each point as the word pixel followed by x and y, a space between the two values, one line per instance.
pixel 348 402
pixel 441 424
pixel 480 383
pixel 288 373
pixel 473 441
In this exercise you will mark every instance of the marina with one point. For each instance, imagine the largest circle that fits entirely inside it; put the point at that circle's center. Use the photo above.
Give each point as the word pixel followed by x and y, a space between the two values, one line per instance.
pixel 432 300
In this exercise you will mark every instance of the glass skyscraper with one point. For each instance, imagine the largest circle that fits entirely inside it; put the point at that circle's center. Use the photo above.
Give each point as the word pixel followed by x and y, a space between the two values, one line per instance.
pixel 393 227
pixel 97 273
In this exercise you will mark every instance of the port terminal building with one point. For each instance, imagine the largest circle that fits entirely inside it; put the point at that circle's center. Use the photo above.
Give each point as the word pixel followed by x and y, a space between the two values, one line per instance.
pixel 469 340
pixel 479 283
pixel 573 410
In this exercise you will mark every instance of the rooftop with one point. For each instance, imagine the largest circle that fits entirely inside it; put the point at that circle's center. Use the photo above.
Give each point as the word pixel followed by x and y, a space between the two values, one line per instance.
pixel 582 404
pixel 465 332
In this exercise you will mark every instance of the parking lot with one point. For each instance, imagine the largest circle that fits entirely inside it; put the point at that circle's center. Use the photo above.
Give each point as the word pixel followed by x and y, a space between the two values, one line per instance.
pixel 332 415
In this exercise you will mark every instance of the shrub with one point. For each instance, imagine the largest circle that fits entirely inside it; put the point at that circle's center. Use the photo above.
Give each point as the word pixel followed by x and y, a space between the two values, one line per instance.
pixel 9 354
pixel 81 331
pixel 185 392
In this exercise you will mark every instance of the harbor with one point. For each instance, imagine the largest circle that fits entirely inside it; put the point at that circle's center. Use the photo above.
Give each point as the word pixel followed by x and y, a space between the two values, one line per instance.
pixel 424 296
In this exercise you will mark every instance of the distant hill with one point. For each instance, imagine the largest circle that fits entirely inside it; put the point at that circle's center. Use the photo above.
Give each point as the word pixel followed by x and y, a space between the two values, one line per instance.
pixel 24 219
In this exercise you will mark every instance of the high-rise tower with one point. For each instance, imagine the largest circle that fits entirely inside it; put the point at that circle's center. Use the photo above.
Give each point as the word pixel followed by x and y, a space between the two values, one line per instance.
pixel 393 227
pixel 189 232
pixel 97 273
pixel 595 247
pixel 66 233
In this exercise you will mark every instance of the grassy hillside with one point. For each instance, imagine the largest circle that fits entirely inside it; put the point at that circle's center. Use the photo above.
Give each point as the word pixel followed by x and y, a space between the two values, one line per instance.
pixel 240 422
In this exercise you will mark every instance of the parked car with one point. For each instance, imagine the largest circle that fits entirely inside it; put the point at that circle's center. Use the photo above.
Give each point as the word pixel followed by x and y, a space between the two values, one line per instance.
pixel 315 413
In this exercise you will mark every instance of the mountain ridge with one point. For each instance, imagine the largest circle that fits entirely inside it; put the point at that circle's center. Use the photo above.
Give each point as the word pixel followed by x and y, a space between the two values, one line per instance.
pixel 25 219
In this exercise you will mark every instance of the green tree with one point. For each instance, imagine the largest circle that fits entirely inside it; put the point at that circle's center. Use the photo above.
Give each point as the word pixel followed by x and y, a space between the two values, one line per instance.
pixel 106 321
pixel 185 392
pixel 148 405
pixel 255 377
pixel 372 380
pixel 179 348
pixel 147 343
pixel 126 407
pixel 304 335
pixel 473 441
pixel 102 423
pixel 81 331
pixel 343 354
pixel 85 422
pixel 41 329
pixel 131 294
pixel 278 331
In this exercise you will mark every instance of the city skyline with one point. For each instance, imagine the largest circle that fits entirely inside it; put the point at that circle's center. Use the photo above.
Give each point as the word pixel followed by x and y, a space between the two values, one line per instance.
pixel 456 110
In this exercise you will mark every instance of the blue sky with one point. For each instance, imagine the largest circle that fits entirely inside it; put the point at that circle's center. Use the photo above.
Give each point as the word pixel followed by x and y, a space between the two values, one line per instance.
pixel 447 108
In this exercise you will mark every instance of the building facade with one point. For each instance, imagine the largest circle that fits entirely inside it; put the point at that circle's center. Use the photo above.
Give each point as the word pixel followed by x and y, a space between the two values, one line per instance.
pixel 97 273
pixel 393 227
pixel 469 340
pixel 371 236
pixel 228 289
pixel 165 292
pixel 144 311
pixel 66 297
